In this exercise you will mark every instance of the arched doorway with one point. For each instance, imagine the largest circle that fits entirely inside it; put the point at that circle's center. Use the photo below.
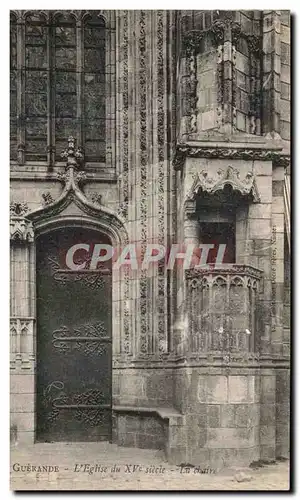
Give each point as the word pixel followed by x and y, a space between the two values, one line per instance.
pixel 74 325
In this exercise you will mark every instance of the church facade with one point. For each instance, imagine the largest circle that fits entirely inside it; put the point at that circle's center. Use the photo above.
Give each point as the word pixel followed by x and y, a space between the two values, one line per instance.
pixel 151 128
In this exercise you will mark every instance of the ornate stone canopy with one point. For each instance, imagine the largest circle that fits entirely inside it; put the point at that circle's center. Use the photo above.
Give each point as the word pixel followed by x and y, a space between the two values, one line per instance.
pixel 71 207
pixel 211 183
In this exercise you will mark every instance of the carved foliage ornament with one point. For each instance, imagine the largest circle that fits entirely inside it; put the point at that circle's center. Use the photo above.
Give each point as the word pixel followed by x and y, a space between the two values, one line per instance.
pixel 228 153
pixel 191 41
pixel 231 176
pixel 73 156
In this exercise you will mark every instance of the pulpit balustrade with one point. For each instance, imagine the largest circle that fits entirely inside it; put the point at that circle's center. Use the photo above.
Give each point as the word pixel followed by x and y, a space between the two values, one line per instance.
pixel 222 309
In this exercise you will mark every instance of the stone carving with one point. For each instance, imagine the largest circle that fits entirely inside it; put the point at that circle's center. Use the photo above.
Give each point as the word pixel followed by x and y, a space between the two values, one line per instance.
pixel 191 41
pixel 21 229
pixel 217 29
pixel 236 32
pixel 96 198
pixel 124 185
pixel 161 330
pixel 254 44
pixel 221 308
pixel 47 198
pixel 74 157
pixel 255 98
pixel 228 153
pixel 206 182
pixel 22 343
pixel 220 85
pixel 18 209
pixel 143 174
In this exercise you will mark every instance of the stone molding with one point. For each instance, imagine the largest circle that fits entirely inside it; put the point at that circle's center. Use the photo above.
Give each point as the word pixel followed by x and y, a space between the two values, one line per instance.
pixel 22 343
pixel 247 153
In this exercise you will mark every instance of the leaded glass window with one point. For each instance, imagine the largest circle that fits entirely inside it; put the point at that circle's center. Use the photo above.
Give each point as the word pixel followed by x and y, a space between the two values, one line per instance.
pixel 13 87
pixel 58 82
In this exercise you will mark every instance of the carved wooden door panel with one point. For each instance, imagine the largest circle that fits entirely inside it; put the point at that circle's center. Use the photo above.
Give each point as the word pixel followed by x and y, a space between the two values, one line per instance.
pixel 73 340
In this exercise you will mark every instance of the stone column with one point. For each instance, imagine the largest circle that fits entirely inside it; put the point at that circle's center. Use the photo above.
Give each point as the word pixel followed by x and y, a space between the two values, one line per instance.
pixel 271 73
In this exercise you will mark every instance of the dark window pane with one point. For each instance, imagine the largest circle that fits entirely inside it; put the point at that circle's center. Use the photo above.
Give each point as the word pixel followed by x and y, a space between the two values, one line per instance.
pixel 36 30
pixel 36 57
pixel 36 128
pixel 65 35
pixel 65 105
pixel 36 104
pixel 95 130
pixel 94 60
pixel 65 58
pixel 37 148
pixel 64 127
pixel 36 81
pixel 13 88
pixel 95 150
pixel 65 81
pixel 94 36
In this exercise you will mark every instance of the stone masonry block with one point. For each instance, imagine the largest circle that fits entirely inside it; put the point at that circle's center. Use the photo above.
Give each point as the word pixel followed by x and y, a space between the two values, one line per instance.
pixel 285 35
pixel 230 438
pixel 267 414
pixel 24 438
pixel 277 188
pixel 238 389
pixel 213 414
pixel 208 120
pixel 132 385
pixel 260 228
pixel 277 205
pixel 23 421
pixel 268 388
pixel 285 91
pixel 267 452
pixel 258 211
pixel 22 384
pixel 227 415
pixel 285 73
pixel 267 435
pixel 285 130
pixel 243 415
pixel 22 403
pixel 262 168
pixel 212 389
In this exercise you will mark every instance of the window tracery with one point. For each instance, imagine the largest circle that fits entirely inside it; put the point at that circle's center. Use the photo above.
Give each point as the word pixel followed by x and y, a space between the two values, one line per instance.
pixel 58 84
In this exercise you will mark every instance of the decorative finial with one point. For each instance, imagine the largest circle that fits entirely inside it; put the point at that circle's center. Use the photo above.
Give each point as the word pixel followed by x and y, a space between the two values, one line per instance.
pixel 73 156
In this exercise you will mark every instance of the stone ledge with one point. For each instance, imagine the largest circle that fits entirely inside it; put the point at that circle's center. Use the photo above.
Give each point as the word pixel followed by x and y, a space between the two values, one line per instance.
pixel 163 413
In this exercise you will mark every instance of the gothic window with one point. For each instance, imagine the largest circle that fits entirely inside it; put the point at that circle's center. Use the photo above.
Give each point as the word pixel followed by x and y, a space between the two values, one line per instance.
pixel 58 83
pixel 13 87
pixel 36 86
